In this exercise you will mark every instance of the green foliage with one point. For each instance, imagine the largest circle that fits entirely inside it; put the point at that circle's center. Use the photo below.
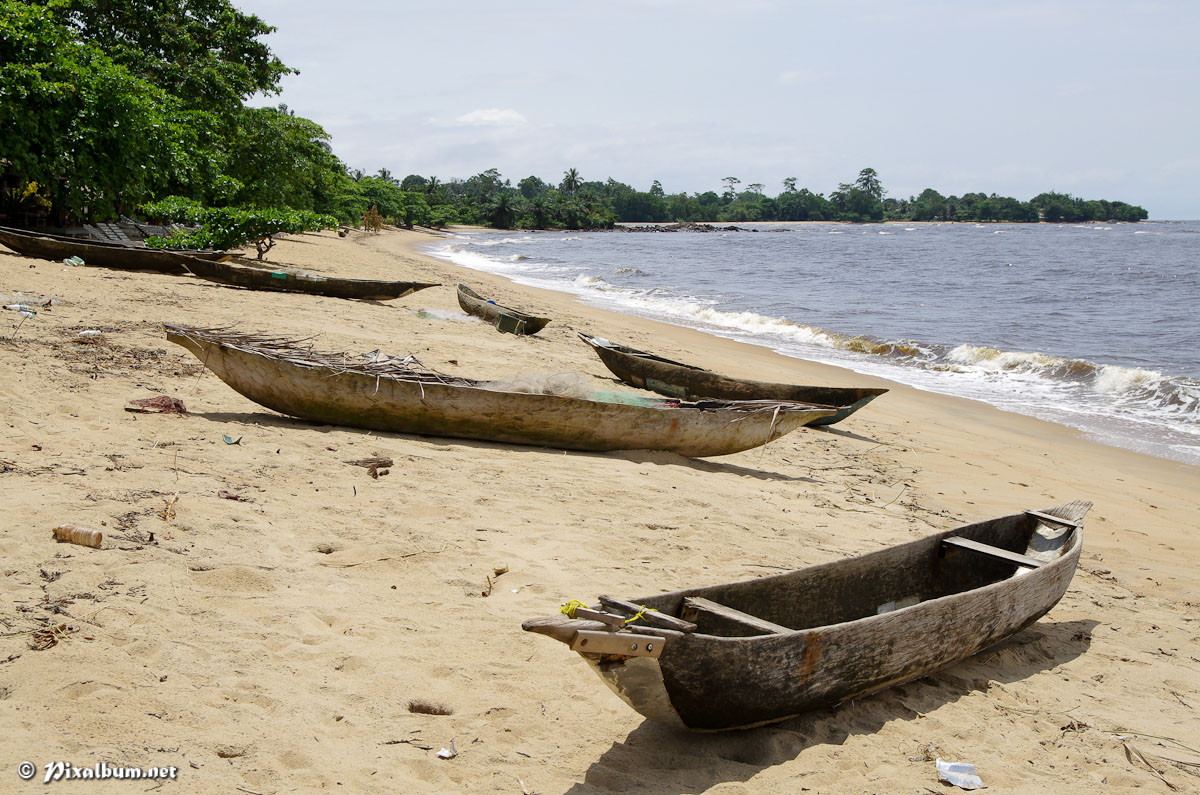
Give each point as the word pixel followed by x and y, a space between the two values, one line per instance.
pixel 77 122
pixel 279 159
pixel 226 228
pixel 205 52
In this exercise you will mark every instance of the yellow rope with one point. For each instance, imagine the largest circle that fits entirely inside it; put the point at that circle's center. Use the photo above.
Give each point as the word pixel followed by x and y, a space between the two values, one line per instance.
pixel 639 614
pixel 569 608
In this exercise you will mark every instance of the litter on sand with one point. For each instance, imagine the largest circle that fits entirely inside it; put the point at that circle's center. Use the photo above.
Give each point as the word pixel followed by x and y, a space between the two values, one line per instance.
pixel 960 774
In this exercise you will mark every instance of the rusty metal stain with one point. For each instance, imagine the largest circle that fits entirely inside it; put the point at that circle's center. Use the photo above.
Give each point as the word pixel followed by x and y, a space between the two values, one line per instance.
pixel 674 425
pixel 812 656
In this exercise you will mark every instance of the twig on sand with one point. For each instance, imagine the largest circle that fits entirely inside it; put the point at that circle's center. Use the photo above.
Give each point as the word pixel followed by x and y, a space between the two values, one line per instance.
pixel 380 560
pixel 408 741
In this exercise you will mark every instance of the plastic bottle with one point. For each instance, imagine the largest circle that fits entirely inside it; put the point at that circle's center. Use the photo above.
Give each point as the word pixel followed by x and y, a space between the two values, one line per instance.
pixel 78 535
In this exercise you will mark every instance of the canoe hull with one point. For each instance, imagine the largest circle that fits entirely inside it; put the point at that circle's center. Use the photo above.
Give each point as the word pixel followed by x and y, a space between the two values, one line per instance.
pixel 686 382
pixel 293 282
pixel 116 256
pixel 341 397
pixel 708 683
pixel 475 304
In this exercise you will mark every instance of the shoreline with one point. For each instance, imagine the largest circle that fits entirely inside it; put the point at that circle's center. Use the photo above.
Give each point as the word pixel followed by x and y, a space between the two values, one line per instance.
pixel 290 609
pixel 870 356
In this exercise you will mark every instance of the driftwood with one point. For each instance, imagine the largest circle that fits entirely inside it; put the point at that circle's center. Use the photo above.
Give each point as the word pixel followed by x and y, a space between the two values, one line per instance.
pixel 387 394
pixel 675 379
pixel 768 649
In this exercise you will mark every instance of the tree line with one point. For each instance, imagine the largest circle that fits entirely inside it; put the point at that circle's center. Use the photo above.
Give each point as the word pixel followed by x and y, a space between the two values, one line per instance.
pixel 111 107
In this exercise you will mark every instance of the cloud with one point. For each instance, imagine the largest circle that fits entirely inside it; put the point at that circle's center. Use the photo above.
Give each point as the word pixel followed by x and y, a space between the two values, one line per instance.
pixel 492 117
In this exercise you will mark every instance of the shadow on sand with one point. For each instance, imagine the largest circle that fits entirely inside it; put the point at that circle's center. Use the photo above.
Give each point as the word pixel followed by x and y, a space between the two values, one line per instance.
pixel 659 759
pixel 637 456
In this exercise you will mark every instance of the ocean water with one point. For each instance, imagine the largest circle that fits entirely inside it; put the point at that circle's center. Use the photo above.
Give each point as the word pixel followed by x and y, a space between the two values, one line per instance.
pixel 1093 326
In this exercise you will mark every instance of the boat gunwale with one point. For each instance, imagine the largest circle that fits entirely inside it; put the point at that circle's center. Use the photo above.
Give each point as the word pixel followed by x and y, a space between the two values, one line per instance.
pixel 1044 572
pixel 640 355
pixel 380 370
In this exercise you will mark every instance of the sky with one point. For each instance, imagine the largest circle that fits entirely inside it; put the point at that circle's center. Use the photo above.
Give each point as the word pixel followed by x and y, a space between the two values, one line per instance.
pixel 1097 99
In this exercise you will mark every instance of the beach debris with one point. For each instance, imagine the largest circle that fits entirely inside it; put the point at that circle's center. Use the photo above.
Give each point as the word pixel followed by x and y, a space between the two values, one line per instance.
pixel 500 570
pixel 168 510
pixel 428 708
pixel 43 639
pixel 960 774
pixel 408 741
pixel 159 404
pixel 229 495
pixel 74 262
pixel 230 440
pixel 90 332
pixel 26 301
pixel 1132 754
pixel 376 466
pixel 83 536
pixel 448 753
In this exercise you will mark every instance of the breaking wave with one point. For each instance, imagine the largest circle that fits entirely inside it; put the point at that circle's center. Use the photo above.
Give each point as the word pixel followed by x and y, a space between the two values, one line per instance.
pixel 1123 405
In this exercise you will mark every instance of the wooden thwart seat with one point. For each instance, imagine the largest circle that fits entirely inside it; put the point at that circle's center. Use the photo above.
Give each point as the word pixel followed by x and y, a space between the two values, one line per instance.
pixel 718 619
pixel 995 552
pixel 1057 520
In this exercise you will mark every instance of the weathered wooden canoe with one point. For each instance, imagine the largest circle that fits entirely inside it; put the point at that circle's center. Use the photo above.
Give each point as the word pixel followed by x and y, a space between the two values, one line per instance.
pixel 105 254
pixel 387 395
pixel 502 317
pixel 291 281
pixel 744 654
pixel 689 382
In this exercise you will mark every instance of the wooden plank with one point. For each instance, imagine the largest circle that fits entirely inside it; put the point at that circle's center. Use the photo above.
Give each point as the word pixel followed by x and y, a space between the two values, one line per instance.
pixel 1046 517
pixel 616 622
pixel 693 606
pixel 651 617
pixel 995 552
pixel 625 644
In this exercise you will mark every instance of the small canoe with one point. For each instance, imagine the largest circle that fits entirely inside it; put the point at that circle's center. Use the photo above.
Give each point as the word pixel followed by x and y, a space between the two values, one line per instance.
pixel 689 382
pixel 291 281
pixel 749 653
pixel 104 254
pixel 502 317
pixel 387 394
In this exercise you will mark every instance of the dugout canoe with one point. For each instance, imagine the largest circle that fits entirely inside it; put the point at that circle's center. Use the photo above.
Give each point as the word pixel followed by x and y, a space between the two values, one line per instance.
pixel 387 394
pixel 293 281
pixel 749 653
pixel 502 317
pixel 675 379
pixel 104 254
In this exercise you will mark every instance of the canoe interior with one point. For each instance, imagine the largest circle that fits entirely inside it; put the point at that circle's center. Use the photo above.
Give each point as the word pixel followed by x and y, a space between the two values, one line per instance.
pixel 744 654
pixel 686 381
pixel 877 582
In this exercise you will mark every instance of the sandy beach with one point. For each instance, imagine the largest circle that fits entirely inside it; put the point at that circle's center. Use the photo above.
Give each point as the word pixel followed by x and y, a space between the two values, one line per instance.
pixel 268 617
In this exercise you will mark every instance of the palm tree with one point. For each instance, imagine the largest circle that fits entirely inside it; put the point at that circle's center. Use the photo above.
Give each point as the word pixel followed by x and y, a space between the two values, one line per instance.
pixel 571 181
pixel 500 213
